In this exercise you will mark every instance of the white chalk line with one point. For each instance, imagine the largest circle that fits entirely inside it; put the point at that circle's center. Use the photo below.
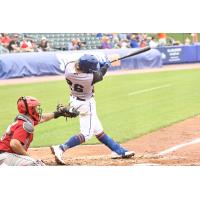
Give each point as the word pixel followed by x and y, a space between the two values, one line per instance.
pixel 146 164
pixel 149 89
pixel 172 149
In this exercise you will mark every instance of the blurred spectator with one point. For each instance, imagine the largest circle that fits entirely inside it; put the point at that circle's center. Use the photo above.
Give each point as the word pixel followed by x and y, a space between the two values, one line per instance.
pixel 80 44
pixel 187 41
pixel 26 46
pixel 143 43
pixel 124 44
pixel 176 43
pixel 162 39
pixel 75 44
pixel 34 45
pixel 99 35
pixel 122 36
pixel 14 44
pixel 194 38
pixel 110 35
pixel 3 49
pixel 72 45
pixel 106 43
pixel 141 37
pixel 5 39
pixel 115 36
pixel 129 35
pixel 153 43
pixel 170 41
pixel 116 43
pixel 44 45
pixel 134 42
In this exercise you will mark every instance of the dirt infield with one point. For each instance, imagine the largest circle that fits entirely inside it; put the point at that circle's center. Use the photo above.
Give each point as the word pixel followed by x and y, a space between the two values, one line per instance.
pixel 178 144
pixel 147 149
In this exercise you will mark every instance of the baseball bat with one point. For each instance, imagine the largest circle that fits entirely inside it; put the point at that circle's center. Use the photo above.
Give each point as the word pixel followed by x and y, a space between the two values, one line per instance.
pixel 139 51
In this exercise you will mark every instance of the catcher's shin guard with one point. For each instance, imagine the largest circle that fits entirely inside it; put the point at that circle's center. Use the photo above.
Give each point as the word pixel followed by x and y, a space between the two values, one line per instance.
pixel 73 141
pixel 111 144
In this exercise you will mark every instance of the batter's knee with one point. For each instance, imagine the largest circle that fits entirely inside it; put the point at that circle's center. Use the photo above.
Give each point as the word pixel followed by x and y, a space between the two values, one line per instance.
pixel 100 134
pixel 81 138
pixel 87 136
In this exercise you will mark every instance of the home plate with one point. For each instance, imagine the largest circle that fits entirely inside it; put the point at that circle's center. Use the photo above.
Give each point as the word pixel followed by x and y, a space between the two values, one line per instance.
pixel 146 164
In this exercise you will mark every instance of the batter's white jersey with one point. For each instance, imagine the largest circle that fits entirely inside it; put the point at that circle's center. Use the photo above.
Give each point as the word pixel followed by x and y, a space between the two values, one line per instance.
pixel 82 97
pixel 80 83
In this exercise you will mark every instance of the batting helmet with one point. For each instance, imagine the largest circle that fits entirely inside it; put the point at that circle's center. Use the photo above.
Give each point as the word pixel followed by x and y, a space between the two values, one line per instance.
pixel 31 106
pixel 88 63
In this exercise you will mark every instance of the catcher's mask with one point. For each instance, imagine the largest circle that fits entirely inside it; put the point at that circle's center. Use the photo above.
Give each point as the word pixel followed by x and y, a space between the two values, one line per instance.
pixel 29 106
pixel 88 63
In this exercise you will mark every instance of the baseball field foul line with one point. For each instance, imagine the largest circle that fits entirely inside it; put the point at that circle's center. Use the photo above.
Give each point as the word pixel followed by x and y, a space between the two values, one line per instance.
pixel 149 89
pixel 172 149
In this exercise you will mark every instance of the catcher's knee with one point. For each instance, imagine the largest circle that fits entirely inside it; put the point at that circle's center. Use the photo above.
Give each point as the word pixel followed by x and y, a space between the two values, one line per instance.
pixel 28 161
pixel 34 163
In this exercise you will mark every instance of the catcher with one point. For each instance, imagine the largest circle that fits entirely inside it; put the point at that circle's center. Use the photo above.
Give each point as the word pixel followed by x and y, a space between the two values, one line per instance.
pixel 19 134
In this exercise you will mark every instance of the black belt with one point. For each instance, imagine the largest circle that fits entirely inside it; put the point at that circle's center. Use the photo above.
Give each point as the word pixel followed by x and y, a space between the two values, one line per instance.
pixel 78 98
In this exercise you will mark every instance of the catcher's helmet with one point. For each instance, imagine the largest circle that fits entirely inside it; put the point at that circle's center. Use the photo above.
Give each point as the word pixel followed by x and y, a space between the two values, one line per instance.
pixel 31 106
pixel 88 63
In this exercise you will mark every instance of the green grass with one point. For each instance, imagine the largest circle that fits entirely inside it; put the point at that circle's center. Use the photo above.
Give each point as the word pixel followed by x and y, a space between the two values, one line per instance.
pixel 123 116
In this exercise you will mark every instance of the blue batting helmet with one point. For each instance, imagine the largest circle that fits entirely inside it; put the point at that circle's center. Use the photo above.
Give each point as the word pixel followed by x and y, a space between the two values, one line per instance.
pixel 88 63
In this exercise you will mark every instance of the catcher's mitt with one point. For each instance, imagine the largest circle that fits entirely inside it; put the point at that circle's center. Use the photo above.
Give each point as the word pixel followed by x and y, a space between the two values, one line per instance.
pixel 65 111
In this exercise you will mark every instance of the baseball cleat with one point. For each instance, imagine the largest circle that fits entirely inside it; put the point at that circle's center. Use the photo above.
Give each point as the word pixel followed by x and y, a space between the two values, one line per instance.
pixel 58 152
pixel 128 154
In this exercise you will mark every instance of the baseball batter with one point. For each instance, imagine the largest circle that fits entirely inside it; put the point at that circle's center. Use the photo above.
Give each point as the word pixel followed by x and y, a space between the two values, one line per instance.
pixel 19 135
pixel 81 77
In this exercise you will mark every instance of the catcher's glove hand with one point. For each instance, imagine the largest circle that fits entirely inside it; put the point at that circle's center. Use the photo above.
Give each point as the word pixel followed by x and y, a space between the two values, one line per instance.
pixel 65 111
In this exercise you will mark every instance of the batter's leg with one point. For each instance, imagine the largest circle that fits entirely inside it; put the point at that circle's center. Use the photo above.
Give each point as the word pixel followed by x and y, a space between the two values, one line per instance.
pixel 73 141
pixel 86 131
pixel 58 150
pixel 114 146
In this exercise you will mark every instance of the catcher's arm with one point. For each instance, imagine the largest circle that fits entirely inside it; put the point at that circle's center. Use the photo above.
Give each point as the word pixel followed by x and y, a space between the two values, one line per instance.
pixel 46 117
pixel 60 111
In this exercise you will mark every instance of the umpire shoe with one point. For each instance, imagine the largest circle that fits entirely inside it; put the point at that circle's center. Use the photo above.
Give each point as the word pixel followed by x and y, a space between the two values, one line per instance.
pixel 127 154
pixel 58 152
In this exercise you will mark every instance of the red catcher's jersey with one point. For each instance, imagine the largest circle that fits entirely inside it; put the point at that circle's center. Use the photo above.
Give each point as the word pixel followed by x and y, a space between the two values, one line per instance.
pixel 15 131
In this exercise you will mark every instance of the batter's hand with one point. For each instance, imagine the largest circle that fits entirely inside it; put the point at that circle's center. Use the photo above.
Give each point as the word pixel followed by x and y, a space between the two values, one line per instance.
pixel 105 63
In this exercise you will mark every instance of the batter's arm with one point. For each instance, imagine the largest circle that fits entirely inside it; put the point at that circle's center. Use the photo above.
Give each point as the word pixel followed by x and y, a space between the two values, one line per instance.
pixel 98 75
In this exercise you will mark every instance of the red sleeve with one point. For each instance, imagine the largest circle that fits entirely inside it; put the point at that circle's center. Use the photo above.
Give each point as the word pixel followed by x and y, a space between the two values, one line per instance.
pixel 20 134
pixel 36 123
